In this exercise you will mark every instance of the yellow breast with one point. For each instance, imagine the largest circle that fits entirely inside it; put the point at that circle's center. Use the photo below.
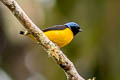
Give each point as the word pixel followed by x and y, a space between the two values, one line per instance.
pixel 60 37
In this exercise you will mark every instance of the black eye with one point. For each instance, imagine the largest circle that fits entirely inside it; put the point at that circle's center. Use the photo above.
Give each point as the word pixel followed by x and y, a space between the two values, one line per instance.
pixel 78 27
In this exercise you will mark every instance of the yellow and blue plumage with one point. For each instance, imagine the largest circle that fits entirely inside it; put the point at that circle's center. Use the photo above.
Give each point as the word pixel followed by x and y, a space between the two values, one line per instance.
pixel 62 34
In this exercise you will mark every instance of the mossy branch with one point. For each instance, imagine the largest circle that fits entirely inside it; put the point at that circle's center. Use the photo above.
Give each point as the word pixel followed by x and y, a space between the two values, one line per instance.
pixel 51 49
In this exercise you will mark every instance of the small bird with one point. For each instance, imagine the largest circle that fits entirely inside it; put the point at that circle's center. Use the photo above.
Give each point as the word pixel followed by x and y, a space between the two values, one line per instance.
pixel 62 34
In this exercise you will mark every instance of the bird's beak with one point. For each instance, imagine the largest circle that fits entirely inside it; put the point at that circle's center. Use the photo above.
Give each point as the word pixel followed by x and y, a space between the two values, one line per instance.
pixel 80 30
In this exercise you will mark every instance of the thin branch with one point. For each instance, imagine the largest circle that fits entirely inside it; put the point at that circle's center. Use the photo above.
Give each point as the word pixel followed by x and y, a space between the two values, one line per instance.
pixel 49 47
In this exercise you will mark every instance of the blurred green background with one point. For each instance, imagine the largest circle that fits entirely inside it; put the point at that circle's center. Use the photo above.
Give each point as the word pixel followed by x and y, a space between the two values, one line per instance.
pixel 95 51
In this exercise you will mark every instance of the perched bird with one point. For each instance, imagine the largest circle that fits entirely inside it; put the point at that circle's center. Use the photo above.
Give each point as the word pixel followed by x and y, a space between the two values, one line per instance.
pixel 62 34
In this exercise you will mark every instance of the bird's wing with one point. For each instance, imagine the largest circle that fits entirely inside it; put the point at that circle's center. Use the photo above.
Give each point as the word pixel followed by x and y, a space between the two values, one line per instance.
pixel 56 27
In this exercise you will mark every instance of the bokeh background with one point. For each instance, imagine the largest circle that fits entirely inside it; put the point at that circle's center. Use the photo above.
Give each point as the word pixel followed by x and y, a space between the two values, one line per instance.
pixel 95 51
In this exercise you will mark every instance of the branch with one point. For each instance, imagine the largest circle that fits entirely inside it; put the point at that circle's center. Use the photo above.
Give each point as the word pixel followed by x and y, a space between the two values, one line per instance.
pixel 51 49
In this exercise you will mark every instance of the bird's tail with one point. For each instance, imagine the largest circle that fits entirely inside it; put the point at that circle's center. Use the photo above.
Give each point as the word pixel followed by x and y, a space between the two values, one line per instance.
pixel 26 33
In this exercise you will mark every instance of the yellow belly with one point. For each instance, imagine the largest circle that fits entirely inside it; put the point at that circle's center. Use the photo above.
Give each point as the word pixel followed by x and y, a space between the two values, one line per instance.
pixel 60 37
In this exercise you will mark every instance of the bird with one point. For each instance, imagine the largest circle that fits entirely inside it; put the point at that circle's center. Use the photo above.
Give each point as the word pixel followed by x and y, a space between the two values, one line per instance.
pixel 61 35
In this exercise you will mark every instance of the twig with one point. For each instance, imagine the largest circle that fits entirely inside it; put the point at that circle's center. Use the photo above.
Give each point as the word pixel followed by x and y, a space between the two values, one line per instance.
pixel 49 47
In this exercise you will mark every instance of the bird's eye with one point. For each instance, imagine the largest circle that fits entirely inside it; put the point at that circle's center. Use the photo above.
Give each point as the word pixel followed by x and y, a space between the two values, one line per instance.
pixel 78 27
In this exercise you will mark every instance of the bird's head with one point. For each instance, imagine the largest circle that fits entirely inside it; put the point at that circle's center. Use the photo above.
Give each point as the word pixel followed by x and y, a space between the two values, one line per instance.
pixel 74 27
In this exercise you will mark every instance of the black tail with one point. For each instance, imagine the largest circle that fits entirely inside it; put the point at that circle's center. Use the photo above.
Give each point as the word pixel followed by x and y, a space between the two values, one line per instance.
pixel 22 33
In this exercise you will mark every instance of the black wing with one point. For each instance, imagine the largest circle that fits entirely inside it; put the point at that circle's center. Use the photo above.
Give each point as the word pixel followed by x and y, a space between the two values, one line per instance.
pixel 56 27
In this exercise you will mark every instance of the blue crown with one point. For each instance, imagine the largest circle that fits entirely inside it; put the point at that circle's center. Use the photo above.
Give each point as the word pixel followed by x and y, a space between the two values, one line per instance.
pixel 72 24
